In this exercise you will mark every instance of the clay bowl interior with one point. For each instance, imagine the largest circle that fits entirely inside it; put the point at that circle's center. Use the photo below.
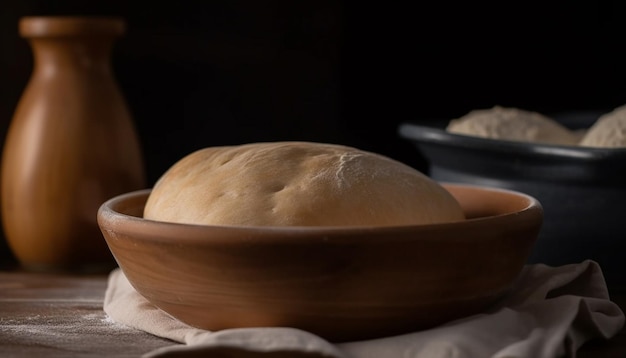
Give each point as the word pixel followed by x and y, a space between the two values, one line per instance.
pixel 342 284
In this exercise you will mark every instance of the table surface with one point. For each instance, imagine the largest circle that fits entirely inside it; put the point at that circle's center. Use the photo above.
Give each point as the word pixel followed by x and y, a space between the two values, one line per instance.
pixel 60 315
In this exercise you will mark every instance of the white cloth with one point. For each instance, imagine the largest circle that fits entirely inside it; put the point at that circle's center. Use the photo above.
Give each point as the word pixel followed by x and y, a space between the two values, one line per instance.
pixel 550 312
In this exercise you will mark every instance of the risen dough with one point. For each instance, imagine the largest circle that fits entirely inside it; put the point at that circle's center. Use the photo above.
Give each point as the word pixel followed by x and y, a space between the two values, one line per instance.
pixel 297 184
pixel 609 131
pixel 513 124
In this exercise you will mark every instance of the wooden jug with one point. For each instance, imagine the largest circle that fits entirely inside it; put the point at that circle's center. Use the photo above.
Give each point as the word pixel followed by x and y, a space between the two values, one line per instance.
pixel 70 146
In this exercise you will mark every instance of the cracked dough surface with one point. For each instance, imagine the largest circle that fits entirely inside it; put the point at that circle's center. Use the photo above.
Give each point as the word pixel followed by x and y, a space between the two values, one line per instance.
pixel 297 184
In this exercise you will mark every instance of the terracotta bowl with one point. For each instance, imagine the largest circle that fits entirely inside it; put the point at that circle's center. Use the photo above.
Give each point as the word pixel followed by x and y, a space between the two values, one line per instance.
pixel 340 283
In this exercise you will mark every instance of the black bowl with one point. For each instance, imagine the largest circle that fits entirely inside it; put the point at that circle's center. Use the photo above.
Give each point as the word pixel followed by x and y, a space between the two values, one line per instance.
pixel 582 190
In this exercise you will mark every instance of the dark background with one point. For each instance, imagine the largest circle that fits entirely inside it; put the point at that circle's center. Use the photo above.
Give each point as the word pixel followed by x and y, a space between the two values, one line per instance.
pixel 201 73
pixel 198 74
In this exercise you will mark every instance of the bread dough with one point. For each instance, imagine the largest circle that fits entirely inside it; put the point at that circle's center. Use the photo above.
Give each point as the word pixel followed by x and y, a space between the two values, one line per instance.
pixel 513 124
pixel 608 131
pixel 297 184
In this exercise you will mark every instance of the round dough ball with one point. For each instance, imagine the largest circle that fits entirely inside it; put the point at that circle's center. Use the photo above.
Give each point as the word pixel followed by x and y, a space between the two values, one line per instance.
pixel 609 131
pixel 297 184
pixel 513 124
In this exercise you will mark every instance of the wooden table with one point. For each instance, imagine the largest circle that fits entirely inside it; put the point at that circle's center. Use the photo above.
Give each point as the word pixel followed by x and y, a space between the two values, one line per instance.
pixel 60 315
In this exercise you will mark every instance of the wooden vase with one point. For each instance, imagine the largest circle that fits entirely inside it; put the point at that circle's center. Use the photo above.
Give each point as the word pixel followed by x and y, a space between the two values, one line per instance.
pixel 70 146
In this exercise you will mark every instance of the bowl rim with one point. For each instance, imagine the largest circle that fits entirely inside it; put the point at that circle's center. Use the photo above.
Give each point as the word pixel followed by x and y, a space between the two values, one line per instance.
pixel 112 220
pixel 429 133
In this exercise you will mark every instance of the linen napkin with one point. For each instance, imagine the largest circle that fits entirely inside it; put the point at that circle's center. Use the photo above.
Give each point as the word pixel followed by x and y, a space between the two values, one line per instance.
pixel 550 312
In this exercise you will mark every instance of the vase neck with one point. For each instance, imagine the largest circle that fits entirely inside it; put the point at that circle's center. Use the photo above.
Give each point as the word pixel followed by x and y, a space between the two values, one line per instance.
pixel 79 53
pixel 71 42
